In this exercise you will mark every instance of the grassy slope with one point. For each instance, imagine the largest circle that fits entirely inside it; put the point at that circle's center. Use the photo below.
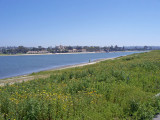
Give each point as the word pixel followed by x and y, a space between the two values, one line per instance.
pixel 123 88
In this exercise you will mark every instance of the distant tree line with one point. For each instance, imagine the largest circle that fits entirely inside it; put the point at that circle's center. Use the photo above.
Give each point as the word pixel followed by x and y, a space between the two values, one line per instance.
pixel 13 50
pixel 65 49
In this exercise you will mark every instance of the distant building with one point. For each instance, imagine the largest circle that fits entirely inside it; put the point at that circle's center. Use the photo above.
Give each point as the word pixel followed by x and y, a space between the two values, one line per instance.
pixel 32 52
pixel 70 51
pixel 84 50
pixel 75 50
pixel 37 52
pixel 42 52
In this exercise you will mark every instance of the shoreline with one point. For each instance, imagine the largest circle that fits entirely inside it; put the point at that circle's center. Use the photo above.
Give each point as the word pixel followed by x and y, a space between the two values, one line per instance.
pixel 28 77
pixel 64 53
pixel 61 67
pixel 49 54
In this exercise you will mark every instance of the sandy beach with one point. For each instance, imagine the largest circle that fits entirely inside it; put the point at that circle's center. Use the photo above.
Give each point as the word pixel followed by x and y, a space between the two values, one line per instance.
pixel 64 53
pixel 48 54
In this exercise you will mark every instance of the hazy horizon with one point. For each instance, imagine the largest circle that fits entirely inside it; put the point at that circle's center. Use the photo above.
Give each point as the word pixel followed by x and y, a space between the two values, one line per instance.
pixel 79 22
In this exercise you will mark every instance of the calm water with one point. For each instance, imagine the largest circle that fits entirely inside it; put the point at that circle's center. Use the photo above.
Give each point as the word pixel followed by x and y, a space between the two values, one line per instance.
pixel 19 65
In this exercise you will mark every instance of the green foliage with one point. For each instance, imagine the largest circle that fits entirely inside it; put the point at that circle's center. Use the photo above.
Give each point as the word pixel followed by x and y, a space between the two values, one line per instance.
pixel 123 88
pixel 128 58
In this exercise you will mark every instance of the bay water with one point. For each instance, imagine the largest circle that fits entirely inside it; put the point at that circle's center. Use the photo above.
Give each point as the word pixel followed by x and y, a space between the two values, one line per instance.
pixel 11 66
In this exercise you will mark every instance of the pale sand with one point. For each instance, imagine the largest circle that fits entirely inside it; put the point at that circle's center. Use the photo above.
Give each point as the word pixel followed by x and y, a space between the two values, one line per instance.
pixel 50 53
pixel 24 78
pixel 65 53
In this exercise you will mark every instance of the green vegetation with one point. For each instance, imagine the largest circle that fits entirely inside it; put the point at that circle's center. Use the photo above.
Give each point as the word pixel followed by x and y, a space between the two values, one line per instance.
pixel 11 54
pixel 123 88
pixel 4 54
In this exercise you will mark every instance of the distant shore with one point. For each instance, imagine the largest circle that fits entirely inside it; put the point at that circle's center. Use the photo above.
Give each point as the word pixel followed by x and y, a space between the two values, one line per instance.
pixel 48 54
pixel 59 53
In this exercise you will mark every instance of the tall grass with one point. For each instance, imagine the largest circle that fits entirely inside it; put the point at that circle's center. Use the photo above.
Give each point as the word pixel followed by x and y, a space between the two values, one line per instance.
pixel 123 88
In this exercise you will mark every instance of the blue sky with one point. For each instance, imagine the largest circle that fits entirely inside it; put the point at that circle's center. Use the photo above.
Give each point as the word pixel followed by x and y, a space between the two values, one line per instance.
pixel 79 22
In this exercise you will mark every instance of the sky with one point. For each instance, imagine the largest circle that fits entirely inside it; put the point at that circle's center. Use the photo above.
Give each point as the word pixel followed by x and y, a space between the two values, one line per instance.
pixel 46 23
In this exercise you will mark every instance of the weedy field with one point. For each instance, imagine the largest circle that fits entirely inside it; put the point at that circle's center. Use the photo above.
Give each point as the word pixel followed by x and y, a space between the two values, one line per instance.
pixel 123 88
